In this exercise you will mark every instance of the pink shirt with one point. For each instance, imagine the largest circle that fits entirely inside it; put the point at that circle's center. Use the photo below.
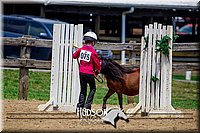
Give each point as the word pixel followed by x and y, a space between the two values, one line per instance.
pixel 89 60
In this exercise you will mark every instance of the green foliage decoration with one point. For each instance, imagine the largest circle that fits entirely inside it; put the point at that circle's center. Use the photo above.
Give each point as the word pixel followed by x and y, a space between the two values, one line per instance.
pixel 163 45
pixel 146 39
pixel 154 78
pixel 175 37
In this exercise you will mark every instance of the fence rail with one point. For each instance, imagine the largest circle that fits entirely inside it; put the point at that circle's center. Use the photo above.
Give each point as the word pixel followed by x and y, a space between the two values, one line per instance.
pixel 136 46
pixel 181 51
pixel 27 41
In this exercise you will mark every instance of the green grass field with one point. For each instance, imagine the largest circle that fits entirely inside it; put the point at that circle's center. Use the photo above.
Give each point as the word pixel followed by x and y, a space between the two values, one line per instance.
pixel 182 77
pixel 184 95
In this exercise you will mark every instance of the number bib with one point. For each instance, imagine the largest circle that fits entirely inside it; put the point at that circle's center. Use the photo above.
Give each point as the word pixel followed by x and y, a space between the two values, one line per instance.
pixel 85 55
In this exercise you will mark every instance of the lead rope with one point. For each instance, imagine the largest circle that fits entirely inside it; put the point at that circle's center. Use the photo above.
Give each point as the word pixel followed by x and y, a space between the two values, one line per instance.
pixel 98 79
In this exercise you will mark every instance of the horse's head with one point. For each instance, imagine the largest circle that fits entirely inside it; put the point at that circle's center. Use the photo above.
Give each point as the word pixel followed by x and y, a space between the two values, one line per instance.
pixel 105 65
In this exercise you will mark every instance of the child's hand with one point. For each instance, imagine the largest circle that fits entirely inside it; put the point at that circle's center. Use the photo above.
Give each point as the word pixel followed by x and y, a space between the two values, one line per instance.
pixel 96 72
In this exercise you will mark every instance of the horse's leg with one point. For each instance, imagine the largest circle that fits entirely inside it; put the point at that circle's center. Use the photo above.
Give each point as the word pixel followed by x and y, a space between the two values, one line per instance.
pixel 120 101
pixel 109 93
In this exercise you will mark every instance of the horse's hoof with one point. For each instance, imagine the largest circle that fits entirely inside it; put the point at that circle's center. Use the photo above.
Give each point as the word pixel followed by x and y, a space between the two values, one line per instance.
pixel 103 107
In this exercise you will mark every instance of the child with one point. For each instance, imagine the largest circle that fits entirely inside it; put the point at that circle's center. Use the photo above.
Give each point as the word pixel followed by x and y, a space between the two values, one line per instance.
pixel 89 66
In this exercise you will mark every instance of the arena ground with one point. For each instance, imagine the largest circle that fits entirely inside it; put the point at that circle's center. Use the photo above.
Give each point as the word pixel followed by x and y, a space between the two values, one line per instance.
pixel 23 116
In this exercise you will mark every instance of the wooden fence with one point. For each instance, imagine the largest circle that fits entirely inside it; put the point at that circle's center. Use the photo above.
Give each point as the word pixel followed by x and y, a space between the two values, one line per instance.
pixel 24 63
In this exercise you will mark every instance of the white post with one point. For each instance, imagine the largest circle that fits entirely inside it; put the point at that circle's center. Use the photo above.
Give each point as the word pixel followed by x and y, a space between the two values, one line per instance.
pixel 66 56
pixel 74 71
pixel 158 70
pixel 61 65
pixel 169 68
pixel 123 37
pixel 55 67
pixel 163 75
pixel 70 65
pixel 123 59
pixel 79 44
pixel 141 68
pixel 153 65
pixel 144 69
pixel 149 63
pixel 188 75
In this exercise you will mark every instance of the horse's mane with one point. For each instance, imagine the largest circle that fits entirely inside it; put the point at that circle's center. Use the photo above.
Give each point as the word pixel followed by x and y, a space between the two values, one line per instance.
pixel 114 70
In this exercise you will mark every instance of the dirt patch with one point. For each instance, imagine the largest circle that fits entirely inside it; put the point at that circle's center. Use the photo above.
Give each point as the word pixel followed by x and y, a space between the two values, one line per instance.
pixel 22 116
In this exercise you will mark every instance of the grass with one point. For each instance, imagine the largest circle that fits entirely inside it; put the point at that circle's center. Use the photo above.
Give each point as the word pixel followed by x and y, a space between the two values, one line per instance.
pixel 184 95
pixel 101 92
pixel 182 77
pixel 39 84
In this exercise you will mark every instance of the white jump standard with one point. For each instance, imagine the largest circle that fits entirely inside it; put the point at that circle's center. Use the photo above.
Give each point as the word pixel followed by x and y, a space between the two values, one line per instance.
pixel 65 85
pixel 155 72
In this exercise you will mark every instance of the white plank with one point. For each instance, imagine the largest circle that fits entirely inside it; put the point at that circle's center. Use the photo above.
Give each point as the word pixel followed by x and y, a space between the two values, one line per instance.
pixel 43 107
pixel 73 93
pixel 56 62
pixel 163 75
pixel 149 67
pixel 70 65
pixel 144 74
pixel 141 84
pixel 74 68
pixel 132 111
pixel 158 67
pixel 66 55
pixel 142 51
pixel 80 35
pixel 153 65
pixel 53 66
pixel 79 44
pixel 169 67
pixel 61 65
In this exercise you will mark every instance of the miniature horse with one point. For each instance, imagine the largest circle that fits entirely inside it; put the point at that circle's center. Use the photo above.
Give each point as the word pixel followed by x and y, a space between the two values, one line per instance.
pixel 120 79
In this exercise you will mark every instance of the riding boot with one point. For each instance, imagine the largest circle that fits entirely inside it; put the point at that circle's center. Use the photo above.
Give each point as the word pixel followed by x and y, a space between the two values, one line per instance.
pixel 90 99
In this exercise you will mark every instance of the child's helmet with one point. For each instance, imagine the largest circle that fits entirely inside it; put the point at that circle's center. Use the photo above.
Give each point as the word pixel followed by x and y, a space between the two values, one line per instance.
pixel 90 36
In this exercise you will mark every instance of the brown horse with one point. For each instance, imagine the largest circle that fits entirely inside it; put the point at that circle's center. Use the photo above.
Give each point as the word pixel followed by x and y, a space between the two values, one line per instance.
pixel 121 80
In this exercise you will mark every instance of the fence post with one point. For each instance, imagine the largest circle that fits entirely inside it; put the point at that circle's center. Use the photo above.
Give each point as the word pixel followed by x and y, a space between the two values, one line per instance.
pixel 132 61
pixel 25 52
pixel 188 74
